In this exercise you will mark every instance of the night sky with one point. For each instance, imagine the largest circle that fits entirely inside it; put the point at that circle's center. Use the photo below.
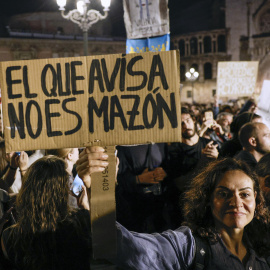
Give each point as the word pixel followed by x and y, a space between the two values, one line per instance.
pixel 185 15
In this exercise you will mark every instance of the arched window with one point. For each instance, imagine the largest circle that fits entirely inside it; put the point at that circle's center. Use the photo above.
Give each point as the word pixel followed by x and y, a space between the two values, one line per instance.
pixel 182 73
pixel 221 43
pixel 207 43
pixel 207 71
pixel 193 46
pixel 182 47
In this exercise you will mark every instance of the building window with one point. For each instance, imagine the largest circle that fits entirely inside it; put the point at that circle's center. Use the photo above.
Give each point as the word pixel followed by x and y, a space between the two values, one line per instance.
pixel 214 91
pixel 207 71
pixel 221 43
pixel 182 47
pixel 189 94
pixel 182 73
pixel 207 43
pixel 193 46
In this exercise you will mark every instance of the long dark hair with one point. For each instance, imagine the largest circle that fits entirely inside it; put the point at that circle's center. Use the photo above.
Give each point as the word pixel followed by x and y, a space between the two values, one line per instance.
pixel 42 204
pixel 197 211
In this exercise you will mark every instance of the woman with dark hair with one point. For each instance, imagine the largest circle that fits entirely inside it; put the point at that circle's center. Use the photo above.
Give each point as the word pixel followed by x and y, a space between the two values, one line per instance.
pixel 224 206
pixel 70 156
pixel 48 234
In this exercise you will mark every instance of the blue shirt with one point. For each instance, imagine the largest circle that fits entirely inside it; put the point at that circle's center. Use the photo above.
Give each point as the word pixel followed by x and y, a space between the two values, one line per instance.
pixel 175 250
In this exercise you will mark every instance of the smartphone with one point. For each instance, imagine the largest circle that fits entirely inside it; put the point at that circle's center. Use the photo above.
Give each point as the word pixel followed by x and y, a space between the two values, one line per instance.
pixel 208 115
pixel 76 186
pixel 18 153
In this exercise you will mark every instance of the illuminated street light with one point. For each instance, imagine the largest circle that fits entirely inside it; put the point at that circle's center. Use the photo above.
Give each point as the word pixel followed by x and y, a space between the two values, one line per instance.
pixel 84 17
pixel 192 76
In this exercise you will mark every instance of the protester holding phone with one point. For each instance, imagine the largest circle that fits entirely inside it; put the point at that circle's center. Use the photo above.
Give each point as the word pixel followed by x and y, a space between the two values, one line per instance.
pixel 15 161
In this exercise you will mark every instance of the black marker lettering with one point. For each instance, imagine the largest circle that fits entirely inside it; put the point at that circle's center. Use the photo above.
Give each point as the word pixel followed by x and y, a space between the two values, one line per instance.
pixel 149 100
pixel 10 82
pixel 133 112
pixel 136 73
pixel 49 115
pixel 103 109
pixel 123 74
pixel 156 62
pixel 117 111
pixel 15 121
pixel 79 125
pixel 28 119
pixel 95 67
pixel 75 78
pixel 54 81
pixel 171 113
pixel 59 80
pixel 26 84
pixel 110 82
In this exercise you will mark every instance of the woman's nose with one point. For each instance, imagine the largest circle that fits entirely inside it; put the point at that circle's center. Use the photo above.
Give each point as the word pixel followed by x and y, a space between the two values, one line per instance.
pixel 236 201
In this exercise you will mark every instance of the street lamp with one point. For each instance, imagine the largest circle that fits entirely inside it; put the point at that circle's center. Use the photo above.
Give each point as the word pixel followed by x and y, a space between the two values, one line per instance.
pixel 83 17
pixel 192 76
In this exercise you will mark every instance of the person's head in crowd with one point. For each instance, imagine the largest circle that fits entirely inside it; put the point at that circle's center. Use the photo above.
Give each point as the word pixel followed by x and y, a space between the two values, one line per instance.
pixel 255 138
pixel 188 123
pixel 226 108
pixel 225 119
pixel 223 188
pixel 42 207
pixel 207 115
pixel 236 106
pixel 242 119
pixel 196 109
pixel 70 155
pixel 249 106
pixel 263 172
pixel 43 199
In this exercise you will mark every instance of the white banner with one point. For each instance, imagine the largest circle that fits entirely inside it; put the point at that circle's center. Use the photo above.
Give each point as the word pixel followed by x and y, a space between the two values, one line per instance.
pixel 237 79
pixel 146 18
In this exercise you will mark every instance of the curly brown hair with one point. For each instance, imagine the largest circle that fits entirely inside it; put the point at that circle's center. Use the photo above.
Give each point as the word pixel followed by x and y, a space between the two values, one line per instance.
pixel 42 204
pixel 197 210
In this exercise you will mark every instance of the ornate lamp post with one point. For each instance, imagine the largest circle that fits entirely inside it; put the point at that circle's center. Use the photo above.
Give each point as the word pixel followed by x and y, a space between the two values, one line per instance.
pixel 192 76
pixel 83 17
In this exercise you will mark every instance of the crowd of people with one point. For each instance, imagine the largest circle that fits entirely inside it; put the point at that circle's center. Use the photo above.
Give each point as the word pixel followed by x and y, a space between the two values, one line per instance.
pixel 209 192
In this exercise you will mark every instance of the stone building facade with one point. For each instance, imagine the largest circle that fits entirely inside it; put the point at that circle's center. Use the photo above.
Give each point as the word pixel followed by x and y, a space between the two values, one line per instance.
pixel 47 35
pixel 246 37
pixel 202 51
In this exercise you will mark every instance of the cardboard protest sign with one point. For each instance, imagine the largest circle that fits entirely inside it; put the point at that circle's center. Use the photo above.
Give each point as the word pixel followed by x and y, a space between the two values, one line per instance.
pixel 236 79
pixel 93 100
pixel 103 209
pixel 146 18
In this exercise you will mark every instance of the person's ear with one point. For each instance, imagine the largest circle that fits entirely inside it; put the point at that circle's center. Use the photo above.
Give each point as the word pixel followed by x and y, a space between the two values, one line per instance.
pixel 252 141
pixel 69 156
